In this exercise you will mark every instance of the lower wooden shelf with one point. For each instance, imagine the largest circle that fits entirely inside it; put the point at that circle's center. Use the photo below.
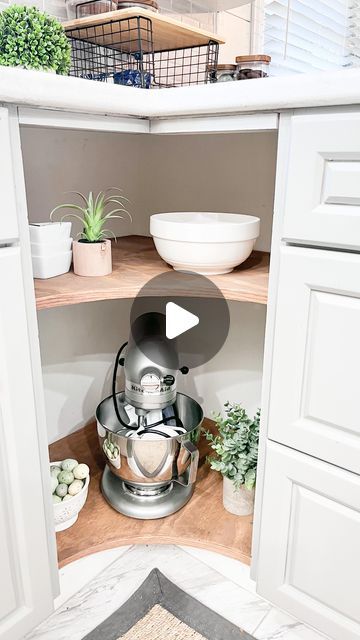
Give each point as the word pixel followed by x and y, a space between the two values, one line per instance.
pixel 203 522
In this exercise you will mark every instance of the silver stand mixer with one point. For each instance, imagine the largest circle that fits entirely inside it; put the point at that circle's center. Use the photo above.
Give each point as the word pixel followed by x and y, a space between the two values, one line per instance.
pixel 148 433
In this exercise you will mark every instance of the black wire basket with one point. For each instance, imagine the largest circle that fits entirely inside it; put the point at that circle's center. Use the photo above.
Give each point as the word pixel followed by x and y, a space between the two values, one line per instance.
pixel 122 51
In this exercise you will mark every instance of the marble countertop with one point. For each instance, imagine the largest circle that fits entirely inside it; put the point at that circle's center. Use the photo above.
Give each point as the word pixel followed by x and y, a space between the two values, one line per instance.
pixel 49 91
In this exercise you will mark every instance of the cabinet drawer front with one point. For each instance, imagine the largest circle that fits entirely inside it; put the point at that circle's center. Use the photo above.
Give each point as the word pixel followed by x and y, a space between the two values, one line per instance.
pixel 309 562
pixel 322 204
pixel 314 404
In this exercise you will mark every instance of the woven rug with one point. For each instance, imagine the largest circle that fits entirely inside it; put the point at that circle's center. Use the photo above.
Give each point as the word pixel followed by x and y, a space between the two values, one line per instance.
pixel 159 610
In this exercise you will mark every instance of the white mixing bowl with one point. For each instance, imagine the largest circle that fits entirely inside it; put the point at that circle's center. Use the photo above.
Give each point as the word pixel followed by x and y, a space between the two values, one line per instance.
pixel 205 243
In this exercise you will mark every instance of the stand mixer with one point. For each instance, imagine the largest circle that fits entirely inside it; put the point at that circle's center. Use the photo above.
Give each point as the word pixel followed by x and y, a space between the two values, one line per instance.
pixel 148 432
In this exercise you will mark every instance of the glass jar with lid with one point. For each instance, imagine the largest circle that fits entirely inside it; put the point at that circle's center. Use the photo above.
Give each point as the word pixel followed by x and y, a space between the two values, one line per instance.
pixel 84 8
pixel 222 73
pixel 253 66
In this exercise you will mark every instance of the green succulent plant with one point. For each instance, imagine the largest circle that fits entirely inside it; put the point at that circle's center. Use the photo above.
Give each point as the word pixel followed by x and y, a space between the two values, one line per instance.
pixel 236 445
pixel 95 213
pixel 33 39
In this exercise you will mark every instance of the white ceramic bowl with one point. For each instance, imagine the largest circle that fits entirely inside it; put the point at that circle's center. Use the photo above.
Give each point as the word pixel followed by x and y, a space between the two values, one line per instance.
pixel 204 242
pixel 66 513
pixel 49 231
pixel 51 248
pixel 51 266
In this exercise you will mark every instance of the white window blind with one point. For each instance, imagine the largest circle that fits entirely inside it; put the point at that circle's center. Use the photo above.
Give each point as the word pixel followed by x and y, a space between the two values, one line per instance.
pixel 353 34
pixel 306 35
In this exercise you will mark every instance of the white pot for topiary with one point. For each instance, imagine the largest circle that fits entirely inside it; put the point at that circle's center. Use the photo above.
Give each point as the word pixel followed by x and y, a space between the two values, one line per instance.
pixel 92 258
pixel 239 501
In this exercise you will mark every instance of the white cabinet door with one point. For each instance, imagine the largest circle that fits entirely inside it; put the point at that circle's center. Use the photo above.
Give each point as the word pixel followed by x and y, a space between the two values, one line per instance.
pixel 315 377
pixel 25 580
pixel 309 560
pixel 8 225
pixel 322 204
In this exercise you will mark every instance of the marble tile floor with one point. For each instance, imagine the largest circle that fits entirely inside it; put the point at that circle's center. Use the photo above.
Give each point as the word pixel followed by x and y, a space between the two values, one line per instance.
pixel 94 587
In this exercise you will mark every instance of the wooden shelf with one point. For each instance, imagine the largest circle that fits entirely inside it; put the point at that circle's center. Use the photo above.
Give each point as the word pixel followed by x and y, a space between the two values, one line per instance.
pixel 135 262
pixel 168 34
pixel 203 522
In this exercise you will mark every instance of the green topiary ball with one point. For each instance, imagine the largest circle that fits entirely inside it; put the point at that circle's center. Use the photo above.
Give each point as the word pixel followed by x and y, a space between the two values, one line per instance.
pixel 32 39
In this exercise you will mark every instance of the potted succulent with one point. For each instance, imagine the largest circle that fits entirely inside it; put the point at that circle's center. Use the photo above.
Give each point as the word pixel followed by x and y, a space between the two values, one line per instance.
pixel 92 252
pixel 236 452
pixel 32 39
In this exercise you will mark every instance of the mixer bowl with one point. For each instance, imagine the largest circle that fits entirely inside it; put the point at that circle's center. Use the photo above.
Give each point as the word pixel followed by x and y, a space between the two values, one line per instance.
pixel 153 462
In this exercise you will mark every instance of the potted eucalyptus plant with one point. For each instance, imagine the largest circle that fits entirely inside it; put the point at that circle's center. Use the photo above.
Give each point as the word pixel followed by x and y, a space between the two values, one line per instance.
pixel 32 39
pixel 235 447
pixel 92 252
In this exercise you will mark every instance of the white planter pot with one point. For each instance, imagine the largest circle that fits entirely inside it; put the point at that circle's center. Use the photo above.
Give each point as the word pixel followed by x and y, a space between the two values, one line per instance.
pixel 49 232
pixel 51 248
pixel 240 501
pixel 92 258
pixel 50 266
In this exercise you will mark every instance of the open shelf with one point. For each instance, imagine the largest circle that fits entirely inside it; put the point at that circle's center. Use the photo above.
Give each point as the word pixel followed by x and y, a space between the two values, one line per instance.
pixel 167 33
pixel 135 262
pixel 203 522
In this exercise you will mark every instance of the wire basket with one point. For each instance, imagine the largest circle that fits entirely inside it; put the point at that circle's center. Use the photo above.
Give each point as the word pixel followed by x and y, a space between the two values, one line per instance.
pixel 122 51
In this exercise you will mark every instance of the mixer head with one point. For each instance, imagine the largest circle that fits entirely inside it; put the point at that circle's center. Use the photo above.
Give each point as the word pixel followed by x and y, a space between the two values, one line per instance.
pixel 151 365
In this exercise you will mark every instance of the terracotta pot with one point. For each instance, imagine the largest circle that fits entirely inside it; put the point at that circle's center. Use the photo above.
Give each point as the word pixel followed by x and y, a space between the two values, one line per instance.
pixel 239 501
pixel 92 258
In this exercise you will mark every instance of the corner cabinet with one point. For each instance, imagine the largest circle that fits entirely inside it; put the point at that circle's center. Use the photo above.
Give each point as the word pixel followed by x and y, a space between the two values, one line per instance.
pixel 26 584
pixel 309 519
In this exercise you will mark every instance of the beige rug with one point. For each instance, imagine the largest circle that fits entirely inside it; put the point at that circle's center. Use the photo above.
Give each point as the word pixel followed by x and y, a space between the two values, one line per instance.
pixel 159 624
pixel 160 610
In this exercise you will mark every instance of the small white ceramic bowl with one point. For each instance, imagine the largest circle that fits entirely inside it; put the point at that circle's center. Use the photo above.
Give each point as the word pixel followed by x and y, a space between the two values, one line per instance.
pixel 49 231
pixel 50 266
pixel 66 513
pixel 51 248
pixel 204 242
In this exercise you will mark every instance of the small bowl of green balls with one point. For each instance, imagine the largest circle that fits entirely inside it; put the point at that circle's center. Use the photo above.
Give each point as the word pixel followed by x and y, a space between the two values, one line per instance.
pixel 69 485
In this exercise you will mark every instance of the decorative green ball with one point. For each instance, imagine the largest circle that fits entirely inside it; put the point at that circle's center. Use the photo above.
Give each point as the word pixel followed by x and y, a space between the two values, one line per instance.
pixel 81 471
pixel 69 464
pixel 56 498
pixel 54 471
pixel 66 477
pixel 54 483
pixel 32 39
pixel 61 490
pixel 75 487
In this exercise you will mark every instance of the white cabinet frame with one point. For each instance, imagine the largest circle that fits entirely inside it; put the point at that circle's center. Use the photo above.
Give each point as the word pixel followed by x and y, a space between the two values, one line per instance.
pixel 28 577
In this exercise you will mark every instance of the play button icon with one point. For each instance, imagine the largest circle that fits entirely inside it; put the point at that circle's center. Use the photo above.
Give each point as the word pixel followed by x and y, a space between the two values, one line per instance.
pixel 195 318
pixel 178 320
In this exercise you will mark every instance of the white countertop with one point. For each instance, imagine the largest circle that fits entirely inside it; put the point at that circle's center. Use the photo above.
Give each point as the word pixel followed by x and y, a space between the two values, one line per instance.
pixel 49 91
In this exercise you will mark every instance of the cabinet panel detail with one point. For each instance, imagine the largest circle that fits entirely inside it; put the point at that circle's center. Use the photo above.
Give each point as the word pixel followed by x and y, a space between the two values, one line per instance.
pixel 341 184
pixel 9 600
pixel 316 518
pixel 331 357
pixel 309 562
pixel 317 351
pixel 8 220
pixel 322 204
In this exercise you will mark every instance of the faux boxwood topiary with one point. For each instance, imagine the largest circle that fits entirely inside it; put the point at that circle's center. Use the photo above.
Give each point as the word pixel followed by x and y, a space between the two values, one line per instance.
pixel 32 39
